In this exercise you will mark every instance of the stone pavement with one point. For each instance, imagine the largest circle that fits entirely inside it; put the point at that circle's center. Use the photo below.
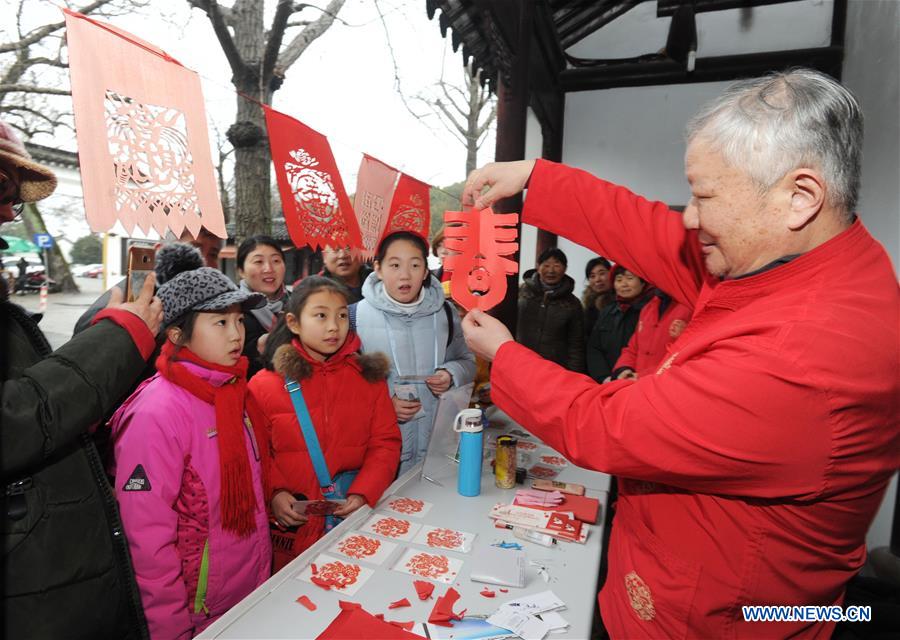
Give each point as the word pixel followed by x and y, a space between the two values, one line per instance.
pixel 63 309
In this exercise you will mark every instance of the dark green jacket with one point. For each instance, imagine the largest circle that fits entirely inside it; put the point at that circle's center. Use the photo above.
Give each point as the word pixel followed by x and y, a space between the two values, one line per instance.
pixel 610 334
pixel 67 572
pixel 551 323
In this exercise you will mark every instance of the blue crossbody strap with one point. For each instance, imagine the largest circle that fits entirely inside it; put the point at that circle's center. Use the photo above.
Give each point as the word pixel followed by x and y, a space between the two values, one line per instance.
pixel 309 435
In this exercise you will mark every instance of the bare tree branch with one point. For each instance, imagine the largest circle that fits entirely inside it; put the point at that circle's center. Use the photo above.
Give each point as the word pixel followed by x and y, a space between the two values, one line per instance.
pixel 41 32
pixel 276 34
pixel 24 88
pixel 216 15
pixel 306 37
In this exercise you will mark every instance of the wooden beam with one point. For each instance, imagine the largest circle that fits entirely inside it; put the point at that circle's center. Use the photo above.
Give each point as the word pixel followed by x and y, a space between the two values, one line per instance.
pixel 713 69
pixel 668 7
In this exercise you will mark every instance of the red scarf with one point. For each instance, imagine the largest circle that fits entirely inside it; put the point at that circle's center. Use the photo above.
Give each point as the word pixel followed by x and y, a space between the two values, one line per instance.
pixel 238 501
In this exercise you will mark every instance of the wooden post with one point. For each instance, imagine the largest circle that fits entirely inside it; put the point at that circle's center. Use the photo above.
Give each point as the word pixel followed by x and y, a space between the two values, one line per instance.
pixel 552 134
pixel 512 112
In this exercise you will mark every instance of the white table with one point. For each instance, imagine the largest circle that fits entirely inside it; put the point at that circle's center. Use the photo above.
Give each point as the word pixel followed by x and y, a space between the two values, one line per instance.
pixel 271 611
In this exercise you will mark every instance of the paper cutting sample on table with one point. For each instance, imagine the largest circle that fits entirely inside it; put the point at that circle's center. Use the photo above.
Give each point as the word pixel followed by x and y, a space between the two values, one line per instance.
pixel 543 472
pixel 391 527
pixel 433 566
pixel 341 575
pixel 480 242
pixel 408 506
pixel 360 546
pixel 445 538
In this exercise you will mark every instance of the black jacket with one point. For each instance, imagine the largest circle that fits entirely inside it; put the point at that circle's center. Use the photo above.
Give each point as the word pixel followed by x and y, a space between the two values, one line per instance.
pixel 611 333
pixel 550 323
pixel 67 572
pixel 355 292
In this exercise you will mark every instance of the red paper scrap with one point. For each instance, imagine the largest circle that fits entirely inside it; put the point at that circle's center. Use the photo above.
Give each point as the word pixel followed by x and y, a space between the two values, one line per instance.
pixel 424 589
pixel 314 568
pixel 325 584
pixel 443 613
pixel 400 603
pixel 487 593
pixel 306 602
pixel 480 242
pixel 504 590
pixel 406 626
pixel 354 622
pixel 347 605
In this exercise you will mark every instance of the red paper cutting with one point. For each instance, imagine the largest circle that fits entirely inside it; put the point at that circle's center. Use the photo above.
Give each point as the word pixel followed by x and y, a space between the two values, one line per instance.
pixel 445 538
pixel 316 208
pixel 424 589
pixel 353 622
pixel 407 505
pixel 410 207
pixel 320 582
pixel 480 239
pixel 428 565
pixel 487 593
pixel 391 527
pixel 306 602
pixel 359 546
pixel 143 146
pixel 372 203
pixel 504 590
pixel 442 614
pixel 400 603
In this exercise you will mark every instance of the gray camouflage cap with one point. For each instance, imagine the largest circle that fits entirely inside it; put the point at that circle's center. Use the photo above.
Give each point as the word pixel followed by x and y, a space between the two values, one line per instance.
pixel 203 289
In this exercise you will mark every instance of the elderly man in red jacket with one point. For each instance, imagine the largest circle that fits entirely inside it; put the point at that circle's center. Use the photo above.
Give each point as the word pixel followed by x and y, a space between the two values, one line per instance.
pixel 757 455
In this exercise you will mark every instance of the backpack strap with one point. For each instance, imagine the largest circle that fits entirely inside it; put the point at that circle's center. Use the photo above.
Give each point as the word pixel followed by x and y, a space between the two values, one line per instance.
pixel 351 313
pixel 309 435
pixel 449 311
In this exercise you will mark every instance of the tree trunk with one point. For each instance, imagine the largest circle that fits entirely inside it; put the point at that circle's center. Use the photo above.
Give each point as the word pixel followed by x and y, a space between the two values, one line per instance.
pixel 58 269
pixel 253 203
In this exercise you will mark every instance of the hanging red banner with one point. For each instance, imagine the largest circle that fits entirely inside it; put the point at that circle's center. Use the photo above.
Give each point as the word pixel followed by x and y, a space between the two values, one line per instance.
pixel 316 207
pixel 410 207
pixel 374 190
pixel 480 240
pixel 143 144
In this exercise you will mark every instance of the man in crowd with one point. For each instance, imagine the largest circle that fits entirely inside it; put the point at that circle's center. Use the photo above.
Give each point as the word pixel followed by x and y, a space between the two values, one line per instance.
pixel 343 264
pixel 67 571
pixel 755 458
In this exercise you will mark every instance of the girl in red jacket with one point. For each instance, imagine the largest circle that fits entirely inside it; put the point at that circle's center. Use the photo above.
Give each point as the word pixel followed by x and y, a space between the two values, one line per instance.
pixel 359 439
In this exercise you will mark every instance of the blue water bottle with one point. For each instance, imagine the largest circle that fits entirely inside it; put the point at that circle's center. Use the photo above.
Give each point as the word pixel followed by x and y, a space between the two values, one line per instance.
pixel 468 425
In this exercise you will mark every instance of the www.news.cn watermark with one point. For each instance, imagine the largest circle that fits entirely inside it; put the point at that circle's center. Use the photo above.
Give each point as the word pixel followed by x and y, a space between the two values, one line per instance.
pixel 806 613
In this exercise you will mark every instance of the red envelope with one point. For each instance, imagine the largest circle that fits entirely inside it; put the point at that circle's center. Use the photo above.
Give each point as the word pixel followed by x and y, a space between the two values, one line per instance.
pixel 585 509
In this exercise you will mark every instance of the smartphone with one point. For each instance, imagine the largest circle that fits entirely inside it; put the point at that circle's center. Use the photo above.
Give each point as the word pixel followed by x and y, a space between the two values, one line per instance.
pixel 141 261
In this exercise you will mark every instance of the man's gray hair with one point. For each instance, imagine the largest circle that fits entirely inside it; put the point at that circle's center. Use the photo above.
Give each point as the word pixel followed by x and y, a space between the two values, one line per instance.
pixel 771 125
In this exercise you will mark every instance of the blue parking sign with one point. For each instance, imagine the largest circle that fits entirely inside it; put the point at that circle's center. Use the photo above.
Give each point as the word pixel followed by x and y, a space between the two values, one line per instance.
pixel 43 240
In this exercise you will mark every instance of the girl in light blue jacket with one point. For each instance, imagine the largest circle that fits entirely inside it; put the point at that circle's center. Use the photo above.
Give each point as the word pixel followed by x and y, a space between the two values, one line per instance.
pixel 404 314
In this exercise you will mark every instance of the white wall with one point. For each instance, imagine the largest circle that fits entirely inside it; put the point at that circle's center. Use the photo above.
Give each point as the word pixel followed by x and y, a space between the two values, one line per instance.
pixel 870 71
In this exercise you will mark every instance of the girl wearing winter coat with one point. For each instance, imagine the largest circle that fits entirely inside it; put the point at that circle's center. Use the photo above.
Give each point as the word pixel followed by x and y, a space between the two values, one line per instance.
pixel 349 408
pixel 188 469
pixel 405 315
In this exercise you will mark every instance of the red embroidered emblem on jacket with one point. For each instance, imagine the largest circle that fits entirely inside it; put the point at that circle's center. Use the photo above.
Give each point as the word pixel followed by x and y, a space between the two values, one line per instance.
pixel 640 596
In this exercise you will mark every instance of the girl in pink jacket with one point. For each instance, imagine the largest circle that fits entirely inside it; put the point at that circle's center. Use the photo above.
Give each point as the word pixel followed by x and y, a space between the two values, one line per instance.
pixel 188 471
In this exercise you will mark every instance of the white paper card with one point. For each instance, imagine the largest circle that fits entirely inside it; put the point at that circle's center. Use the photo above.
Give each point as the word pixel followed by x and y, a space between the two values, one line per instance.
pixel 391 527
pixel 555 620
pixel 536 603
pixel 444 539
pixel 349 576
pixel 359 546
pixel 430 565
pixel 524 625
